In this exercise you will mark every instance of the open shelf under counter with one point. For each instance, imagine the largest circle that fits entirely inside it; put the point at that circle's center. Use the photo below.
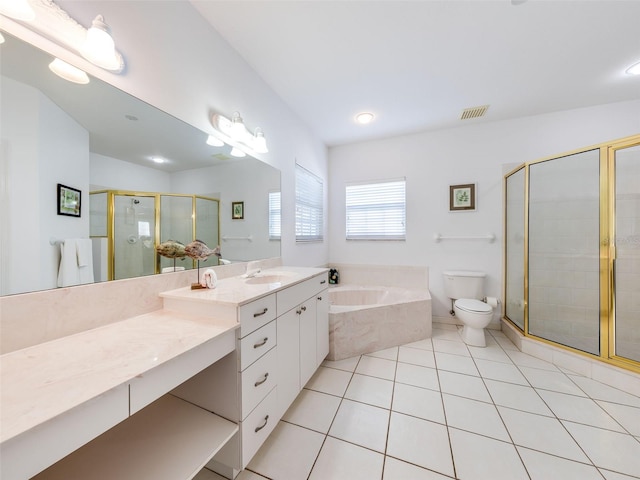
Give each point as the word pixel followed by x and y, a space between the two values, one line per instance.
pixel 168 440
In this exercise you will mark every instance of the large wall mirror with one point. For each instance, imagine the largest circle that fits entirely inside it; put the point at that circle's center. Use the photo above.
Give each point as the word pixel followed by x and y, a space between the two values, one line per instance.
pixel 95 137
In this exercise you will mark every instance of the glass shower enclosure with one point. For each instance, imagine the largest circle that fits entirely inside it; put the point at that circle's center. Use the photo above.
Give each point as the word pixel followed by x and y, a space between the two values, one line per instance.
pixel 129 225
pixel 572 251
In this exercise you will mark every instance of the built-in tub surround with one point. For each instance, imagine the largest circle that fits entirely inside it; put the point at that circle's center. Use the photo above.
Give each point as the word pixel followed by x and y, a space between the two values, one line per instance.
pixel 364 319
pixel 376 307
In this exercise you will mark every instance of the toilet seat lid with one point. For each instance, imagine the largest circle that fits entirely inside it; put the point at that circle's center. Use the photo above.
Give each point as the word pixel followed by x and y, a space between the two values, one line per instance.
pixel 473 305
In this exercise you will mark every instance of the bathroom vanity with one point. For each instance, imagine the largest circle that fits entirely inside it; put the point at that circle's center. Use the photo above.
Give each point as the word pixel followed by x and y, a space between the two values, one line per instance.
pixel 203 381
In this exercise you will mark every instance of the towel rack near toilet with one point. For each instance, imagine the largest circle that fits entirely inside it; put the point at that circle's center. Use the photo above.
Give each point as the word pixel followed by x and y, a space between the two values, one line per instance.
pixel 489 236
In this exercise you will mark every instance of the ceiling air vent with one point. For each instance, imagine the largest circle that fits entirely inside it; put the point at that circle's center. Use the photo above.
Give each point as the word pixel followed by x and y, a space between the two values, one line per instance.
pixel 221 156
pixel 474 112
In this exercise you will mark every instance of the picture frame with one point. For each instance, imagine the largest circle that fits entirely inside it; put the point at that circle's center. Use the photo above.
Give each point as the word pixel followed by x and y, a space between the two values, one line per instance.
pixel 462 198
pixel 237 210
pixel 69 201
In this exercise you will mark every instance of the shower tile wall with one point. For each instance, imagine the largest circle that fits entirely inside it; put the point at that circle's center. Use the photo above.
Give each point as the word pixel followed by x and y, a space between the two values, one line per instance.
pixel 564 251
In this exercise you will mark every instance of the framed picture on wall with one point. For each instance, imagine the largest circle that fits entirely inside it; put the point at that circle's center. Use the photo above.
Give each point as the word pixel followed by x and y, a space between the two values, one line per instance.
pixel 237 210
pixel 462 197
pixel 69 200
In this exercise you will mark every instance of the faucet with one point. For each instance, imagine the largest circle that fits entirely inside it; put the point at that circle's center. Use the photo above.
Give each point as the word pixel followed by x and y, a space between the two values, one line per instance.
pixel 253 269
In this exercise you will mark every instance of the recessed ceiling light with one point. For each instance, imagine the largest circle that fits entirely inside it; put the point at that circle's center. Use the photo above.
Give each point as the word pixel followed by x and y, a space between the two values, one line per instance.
pixel 633 69
pixel 364 118
pixel 158 159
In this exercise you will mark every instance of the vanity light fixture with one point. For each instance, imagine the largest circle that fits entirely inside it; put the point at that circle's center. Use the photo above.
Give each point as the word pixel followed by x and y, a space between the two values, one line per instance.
pixel 364 118
pixel 18 9
pixel 633 69
pixel 99 47
pixel 214 141
pixel 234 132
pixel 236 152
pixel 68 72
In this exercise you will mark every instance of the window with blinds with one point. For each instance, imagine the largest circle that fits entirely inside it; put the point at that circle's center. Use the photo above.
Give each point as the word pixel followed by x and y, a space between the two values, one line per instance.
pixel 309 215
pixel 275 216
pixel 376 211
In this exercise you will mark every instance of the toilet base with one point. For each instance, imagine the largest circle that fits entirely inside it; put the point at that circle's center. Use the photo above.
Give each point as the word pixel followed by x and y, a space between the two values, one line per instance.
pixel 473 336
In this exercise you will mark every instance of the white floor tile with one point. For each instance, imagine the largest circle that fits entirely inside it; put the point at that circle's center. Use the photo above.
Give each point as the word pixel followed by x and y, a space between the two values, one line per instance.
pixel 388 353
pixel 526 360
pixel 600 391
pixel 541 433
pixel 542 466
pixel 500 371
pixel 420 442
pixel 418 402
pixel 480 458
pixel 609 475
pixel 520 397
pixel 502 340
pixel 494 353
pixel 554 381
pixel 274 459
pixel 361 424
pixel 398 470
pixel 425 344
pixel 610 450
pixel 329 380
pixel 579 410
pixel 417 376
pixel 247 475
pixel 340 460
pixel 416 356
pixel 314 410
pixel 473 416
pixel 371 390
pixel 628 417
pixel 463 385
pixel 348 364
pixel 377 367
pixel 447 346
pixel 456 363
pixel 446 333
pixel 206 474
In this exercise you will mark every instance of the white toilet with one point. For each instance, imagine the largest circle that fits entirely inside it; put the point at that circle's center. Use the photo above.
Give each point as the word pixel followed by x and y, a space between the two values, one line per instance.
pixel 466 288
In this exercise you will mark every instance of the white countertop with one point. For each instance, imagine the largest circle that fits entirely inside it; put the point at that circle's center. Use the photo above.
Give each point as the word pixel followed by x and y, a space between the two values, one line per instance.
pixel 41 382
pixel 237 291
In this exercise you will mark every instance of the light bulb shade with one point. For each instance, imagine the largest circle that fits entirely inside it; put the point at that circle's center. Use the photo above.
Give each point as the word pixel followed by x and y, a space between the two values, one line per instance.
pixel 214 141
pixel 259 142
pixel 237 126
pixel 18 9
pixel 1 38
pixel 634 69
pixel 236 152
pixel 68 72
pixel 99 47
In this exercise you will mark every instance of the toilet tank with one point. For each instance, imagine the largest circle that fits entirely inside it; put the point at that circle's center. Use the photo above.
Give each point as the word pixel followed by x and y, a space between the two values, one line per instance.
pixel 464 284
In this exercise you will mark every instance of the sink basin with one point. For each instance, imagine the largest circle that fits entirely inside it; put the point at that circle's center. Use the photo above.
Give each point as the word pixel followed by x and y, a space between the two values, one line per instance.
pixel 272 278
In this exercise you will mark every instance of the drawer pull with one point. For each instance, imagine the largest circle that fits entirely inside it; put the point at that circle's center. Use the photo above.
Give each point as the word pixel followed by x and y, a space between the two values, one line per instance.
pixel 266 420
pixel 260 313
pixel 299 312
pixel 323 282
pixel 320 298
pixel 260 382
pixel 260 344
pixel 304 308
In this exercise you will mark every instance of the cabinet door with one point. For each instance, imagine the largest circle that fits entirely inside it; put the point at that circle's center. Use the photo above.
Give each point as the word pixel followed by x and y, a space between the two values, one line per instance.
pixel 288 352
pixel 308 335
pixel 322 326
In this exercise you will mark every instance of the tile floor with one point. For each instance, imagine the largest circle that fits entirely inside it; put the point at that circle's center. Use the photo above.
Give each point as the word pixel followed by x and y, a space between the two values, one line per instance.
pixel 438 409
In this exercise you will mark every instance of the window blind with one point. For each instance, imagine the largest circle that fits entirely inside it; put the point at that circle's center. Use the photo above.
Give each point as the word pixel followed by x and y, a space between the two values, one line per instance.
pixel 309 215
pixel 376 211
pixel 275 216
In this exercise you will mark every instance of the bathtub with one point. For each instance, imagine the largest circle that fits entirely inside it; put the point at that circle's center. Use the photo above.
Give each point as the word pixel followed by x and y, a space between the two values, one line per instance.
pixel 365 319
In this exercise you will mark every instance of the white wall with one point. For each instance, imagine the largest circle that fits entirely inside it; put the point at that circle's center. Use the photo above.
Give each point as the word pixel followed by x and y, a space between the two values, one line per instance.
pixel 109 173
pixel 29 262
pixel 476 153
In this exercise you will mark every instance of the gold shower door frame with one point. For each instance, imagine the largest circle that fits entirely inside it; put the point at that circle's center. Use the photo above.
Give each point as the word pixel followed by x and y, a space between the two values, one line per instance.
pixel 607 251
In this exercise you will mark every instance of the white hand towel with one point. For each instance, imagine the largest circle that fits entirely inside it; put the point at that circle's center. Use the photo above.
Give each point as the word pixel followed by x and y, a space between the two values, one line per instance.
pixel 209 279
pixel 84 251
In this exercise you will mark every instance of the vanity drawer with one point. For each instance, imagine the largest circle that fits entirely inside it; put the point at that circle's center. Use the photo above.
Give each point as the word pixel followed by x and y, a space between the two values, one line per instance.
pixel 256 314
pixel 256 344
pixel 258 380
pixel 298 293
pixel 258 425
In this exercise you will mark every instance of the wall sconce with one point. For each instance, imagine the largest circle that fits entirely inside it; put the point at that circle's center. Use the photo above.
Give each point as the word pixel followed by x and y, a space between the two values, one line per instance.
pixel 51 22
pixel 235 133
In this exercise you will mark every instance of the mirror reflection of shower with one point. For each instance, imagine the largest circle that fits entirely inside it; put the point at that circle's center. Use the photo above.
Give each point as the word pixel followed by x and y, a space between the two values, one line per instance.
pixel 134 236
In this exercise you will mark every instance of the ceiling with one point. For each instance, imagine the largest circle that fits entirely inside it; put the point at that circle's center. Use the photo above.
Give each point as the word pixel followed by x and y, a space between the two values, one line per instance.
pixel 418 64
